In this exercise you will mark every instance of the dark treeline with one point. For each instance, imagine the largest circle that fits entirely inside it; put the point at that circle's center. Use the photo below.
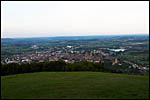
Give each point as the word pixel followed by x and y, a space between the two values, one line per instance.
pixel 54 66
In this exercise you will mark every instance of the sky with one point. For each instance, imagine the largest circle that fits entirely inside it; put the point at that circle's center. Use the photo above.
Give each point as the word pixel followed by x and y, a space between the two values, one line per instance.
pixel 73 18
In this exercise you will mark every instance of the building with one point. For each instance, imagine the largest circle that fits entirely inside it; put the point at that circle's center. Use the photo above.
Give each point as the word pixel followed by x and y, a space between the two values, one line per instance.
pixel 115 62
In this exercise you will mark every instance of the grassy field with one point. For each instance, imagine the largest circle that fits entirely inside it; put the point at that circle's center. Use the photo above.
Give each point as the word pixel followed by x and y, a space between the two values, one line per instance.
pixel 74 85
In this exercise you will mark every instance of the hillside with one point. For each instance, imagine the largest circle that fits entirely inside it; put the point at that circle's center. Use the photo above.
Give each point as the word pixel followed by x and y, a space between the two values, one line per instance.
pixel 74 85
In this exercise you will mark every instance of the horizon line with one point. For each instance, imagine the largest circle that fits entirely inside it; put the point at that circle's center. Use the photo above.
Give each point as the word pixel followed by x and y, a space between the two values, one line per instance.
pixel 79 35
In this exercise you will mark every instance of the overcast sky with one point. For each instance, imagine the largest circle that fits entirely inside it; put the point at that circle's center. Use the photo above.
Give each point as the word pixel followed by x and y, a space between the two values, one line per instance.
pixel 62 18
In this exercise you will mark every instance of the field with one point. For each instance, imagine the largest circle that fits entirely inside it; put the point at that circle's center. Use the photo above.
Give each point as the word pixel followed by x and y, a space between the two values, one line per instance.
pixel 74 85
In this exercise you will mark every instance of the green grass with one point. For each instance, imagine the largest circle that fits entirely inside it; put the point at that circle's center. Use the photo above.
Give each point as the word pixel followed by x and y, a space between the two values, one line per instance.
pixel 74 85
pixel 143 58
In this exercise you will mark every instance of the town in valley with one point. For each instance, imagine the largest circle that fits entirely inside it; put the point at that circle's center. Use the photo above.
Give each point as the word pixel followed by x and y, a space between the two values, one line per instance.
pixel 122 52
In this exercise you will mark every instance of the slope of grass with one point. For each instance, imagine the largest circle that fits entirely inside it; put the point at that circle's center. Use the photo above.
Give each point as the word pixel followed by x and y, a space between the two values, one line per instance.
pixel 74 85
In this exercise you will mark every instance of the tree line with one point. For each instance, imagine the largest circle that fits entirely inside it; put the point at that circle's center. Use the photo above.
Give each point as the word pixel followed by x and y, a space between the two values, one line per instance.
pixel 54 66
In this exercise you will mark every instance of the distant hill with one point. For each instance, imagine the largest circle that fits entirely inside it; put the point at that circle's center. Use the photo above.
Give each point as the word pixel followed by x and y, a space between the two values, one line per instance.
pixel 6 39
pixel 71 37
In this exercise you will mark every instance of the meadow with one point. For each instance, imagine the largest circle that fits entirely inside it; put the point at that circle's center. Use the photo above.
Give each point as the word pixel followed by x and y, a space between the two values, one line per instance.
pixel 74 85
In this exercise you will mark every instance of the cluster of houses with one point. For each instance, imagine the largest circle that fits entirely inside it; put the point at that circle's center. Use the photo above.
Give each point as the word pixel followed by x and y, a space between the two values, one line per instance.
pixel 69 55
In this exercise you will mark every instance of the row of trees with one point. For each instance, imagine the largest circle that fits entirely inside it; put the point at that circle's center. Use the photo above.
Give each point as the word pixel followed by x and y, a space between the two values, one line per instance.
pixel 54 66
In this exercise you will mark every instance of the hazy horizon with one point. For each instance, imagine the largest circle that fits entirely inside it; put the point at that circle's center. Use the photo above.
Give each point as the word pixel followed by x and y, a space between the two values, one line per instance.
pixel 73 18
pixel 81 35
